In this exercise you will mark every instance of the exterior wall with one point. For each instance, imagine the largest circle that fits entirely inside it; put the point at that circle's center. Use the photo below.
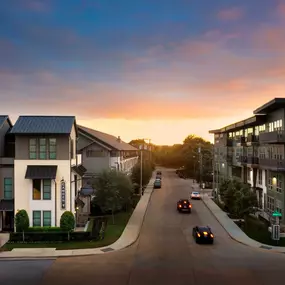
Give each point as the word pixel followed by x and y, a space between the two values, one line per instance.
pixel 72 140
pixel 276 115
pixel 3 130
pixel 62 147
pixel 23 190
pixel 95 164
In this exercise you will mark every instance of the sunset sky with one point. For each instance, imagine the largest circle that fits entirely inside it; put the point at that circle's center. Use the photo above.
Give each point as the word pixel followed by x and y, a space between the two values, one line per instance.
pixel 155 69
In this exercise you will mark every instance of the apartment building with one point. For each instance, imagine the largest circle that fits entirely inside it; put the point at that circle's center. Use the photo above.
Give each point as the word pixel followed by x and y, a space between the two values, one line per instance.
pixel 103 151
pixel 7 153
pixel 252 151
pixel 47 170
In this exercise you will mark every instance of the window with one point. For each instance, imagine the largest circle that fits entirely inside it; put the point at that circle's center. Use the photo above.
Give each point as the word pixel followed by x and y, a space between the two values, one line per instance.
pixel 260 177
pixel 33 148
pixel 36 218
pixel 270 203
pixel 47 218
pixel 52 148
pixel 72 149
pixel 8 189
pixel 43 149
pixel 37 189
pixel 47 189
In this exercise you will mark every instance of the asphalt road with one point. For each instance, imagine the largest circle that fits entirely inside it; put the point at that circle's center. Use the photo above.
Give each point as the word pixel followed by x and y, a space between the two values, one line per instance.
pixel 164 254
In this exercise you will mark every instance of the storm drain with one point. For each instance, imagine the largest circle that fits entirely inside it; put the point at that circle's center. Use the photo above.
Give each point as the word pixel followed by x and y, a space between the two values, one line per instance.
pixel 107 249
pixel 265 247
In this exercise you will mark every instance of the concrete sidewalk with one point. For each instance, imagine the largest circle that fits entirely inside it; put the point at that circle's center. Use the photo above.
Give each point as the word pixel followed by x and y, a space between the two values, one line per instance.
pixel 233 230
pixel 128 237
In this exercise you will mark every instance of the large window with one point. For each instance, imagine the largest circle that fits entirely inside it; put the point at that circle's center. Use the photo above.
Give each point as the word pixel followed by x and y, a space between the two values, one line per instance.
pixel 8 188
pixel 33 148
pixel 259 177
pixel 72 149
pixel 47 218
pixel 52 148
pixel 37 189
pixel 37 218
pixel 47 189
pixel 43 149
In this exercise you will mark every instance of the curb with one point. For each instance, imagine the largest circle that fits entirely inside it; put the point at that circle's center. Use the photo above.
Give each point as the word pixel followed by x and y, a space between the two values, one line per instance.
pixel 53 257
pixel 263 247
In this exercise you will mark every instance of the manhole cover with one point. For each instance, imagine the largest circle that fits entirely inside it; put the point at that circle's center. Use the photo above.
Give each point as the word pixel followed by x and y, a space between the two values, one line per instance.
pixel 107 249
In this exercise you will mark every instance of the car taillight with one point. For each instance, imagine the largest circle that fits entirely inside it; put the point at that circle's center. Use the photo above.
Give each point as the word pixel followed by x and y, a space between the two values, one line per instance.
pixel 180 206
pixel 185 202
pixel 190 206
pixel 211 235
pixel 198 235
pixel 205 233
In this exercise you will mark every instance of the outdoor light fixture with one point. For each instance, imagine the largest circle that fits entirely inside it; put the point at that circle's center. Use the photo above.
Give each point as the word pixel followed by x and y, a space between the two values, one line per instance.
pixel 274 180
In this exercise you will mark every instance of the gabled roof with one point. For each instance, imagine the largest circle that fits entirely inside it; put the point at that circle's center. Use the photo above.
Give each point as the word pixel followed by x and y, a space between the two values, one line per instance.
pixel 4 118
pixel 44 125
pixel 107 139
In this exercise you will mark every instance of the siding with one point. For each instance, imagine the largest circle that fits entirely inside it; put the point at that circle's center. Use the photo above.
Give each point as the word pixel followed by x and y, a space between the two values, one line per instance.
pixel 22 146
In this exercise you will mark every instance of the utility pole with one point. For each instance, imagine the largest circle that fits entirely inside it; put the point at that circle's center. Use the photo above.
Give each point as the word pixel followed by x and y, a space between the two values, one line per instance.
pixel 142 147
pixel 201 165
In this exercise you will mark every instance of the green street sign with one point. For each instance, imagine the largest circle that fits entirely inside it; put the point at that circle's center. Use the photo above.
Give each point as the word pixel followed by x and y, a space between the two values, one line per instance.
pixel 276 214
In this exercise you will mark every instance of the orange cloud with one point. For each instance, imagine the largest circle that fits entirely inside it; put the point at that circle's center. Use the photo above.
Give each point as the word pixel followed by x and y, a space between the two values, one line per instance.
pixel 230 14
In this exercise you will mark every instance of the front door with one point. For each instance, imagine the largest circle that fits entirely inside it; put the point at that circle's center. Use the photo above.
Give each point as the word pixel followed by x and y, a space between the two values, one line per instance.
pixel 7 221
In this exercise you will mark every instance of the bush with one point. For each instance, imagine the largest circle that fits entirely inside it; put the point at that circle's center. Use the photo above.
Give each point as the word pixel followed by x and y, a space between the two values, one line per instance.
pixel 50 237
pixel 67 221
pixel 22 221
pixel 44 229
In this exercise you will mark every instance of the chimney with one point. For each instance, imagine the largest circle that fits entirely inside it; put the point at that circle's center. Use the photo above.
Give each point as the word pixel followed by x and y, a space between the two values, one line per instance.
pixel 119 139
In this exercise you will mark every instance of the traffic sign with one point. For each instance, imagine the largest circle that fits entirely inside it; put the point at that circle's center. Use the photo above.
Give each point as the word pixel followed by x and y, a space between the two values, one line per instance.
pixel 275 235
pixel 276 214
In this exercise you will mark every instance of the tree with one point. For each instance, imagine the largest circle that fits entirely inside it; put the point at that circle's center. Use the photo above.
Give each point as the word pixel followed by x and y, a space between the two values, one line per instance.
pixel 113 191
pixel 67 221
pixel 22 221
pixel 238 198
pixel 147 170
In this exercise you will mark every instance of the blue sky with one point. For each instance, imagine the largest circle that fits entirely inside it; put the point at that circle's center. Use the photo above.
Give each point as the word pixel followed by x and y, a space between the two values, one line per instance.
pixel 117 60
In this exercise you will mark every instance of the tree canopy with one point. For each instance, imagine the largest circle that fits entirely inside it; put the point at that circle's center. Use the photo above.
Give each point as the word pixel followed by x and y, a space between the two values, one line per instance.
pixel 187 156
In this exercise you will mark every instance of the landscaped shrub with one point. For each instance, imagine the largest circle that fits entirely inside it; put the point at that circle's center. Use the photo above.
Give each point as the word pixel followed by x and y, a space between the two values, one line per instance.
pixel 22 221
pixel 50 237
pixel 67 221
pixel 44 229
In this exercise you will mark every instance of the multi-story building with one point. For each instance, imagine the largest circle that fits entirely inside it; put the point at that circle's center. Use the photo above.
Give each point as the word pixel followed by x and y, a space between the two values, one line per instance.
pixel 47 169
pixel 252 151
pixel 7 154
pixel 103 151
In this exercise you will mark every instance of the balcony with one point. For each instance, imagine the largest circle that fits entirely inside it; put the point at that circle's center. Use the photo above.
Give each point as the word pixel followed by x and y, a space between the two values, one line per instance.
pixel 77 160
pixel 272 164
pixel 229 142
pixel 251 138
pixel 229 159
pixel 242 159
pixel 240 140
pixel 253 160
pixel 272 137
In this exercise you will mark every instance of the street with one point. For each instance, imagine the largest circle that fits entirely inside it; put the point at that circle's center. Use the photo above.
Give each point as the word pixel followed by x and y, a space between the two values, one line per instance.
pixel 164 254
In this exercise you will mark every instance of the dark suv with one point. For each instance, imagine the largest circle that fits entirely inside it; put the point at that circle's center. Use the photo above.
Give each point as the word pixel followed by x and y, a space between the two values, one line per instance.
pixel 184 205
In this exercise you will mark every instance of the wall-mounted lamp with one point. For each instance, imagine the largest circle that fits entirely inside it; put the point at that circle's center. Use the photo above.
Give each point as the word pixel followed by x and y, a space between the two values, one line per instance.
pixel 274 181
pixel 223 165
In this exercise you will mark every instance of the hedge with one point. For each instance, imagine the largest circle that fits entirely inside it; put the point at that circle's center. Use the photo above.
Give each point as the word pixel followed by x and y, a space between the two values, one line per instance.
pixel 50 236
pixel 44 229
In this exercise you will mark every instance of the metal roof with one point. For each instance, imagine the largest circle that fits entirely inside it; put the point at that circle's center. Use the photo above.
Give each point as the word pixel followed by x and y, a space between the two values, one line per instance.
pixel 43 125
pixel 271 106
pixel 110 140
pixel 41 172
pixel 3 118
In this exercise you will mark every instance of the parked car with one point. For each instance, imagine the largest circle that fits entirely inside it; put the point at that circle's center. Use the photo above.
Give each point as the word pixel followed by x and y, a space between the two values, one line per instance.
pixel 157 184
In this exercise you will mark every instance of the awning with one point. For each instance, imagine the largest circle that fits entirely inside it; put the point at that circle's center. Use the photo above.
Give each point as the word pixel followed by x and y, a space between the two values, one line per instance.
pixel 7 205
pixel 79 169
pixel 87 191
pixel 41 172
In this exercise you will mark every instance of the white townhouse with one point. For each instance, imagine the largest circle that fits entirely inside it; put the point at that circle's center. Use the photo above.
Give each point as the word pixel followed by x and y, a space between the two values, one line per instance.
pixel 103 151
pixel 47 170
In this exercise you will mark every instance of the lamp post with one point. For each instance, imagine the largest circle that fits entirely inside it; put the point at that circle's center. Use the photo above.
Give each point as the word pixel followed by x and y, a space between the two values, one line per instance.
pixel 142 147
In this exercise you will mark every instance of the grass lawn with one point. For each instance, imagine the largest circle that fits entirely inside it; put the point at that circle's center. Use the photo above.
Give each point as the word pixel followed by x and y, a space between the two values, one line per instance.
pixel 112 233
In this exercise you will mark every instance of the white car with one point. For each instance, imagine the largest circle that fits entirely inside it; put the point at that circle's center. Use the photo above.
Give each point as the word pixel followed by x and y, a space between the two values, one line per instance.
pixel 195 195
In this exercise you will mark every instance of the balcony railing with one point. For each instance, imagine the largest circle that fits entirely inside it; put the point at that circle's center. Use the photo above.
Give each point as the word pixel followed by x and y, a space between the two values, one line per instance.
pixel 229 159
pixel 252 160
pixel 272 137
pixel 251 138
pixel 242 159
pixel 272 164
pixel 240 140
pixel 229 142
